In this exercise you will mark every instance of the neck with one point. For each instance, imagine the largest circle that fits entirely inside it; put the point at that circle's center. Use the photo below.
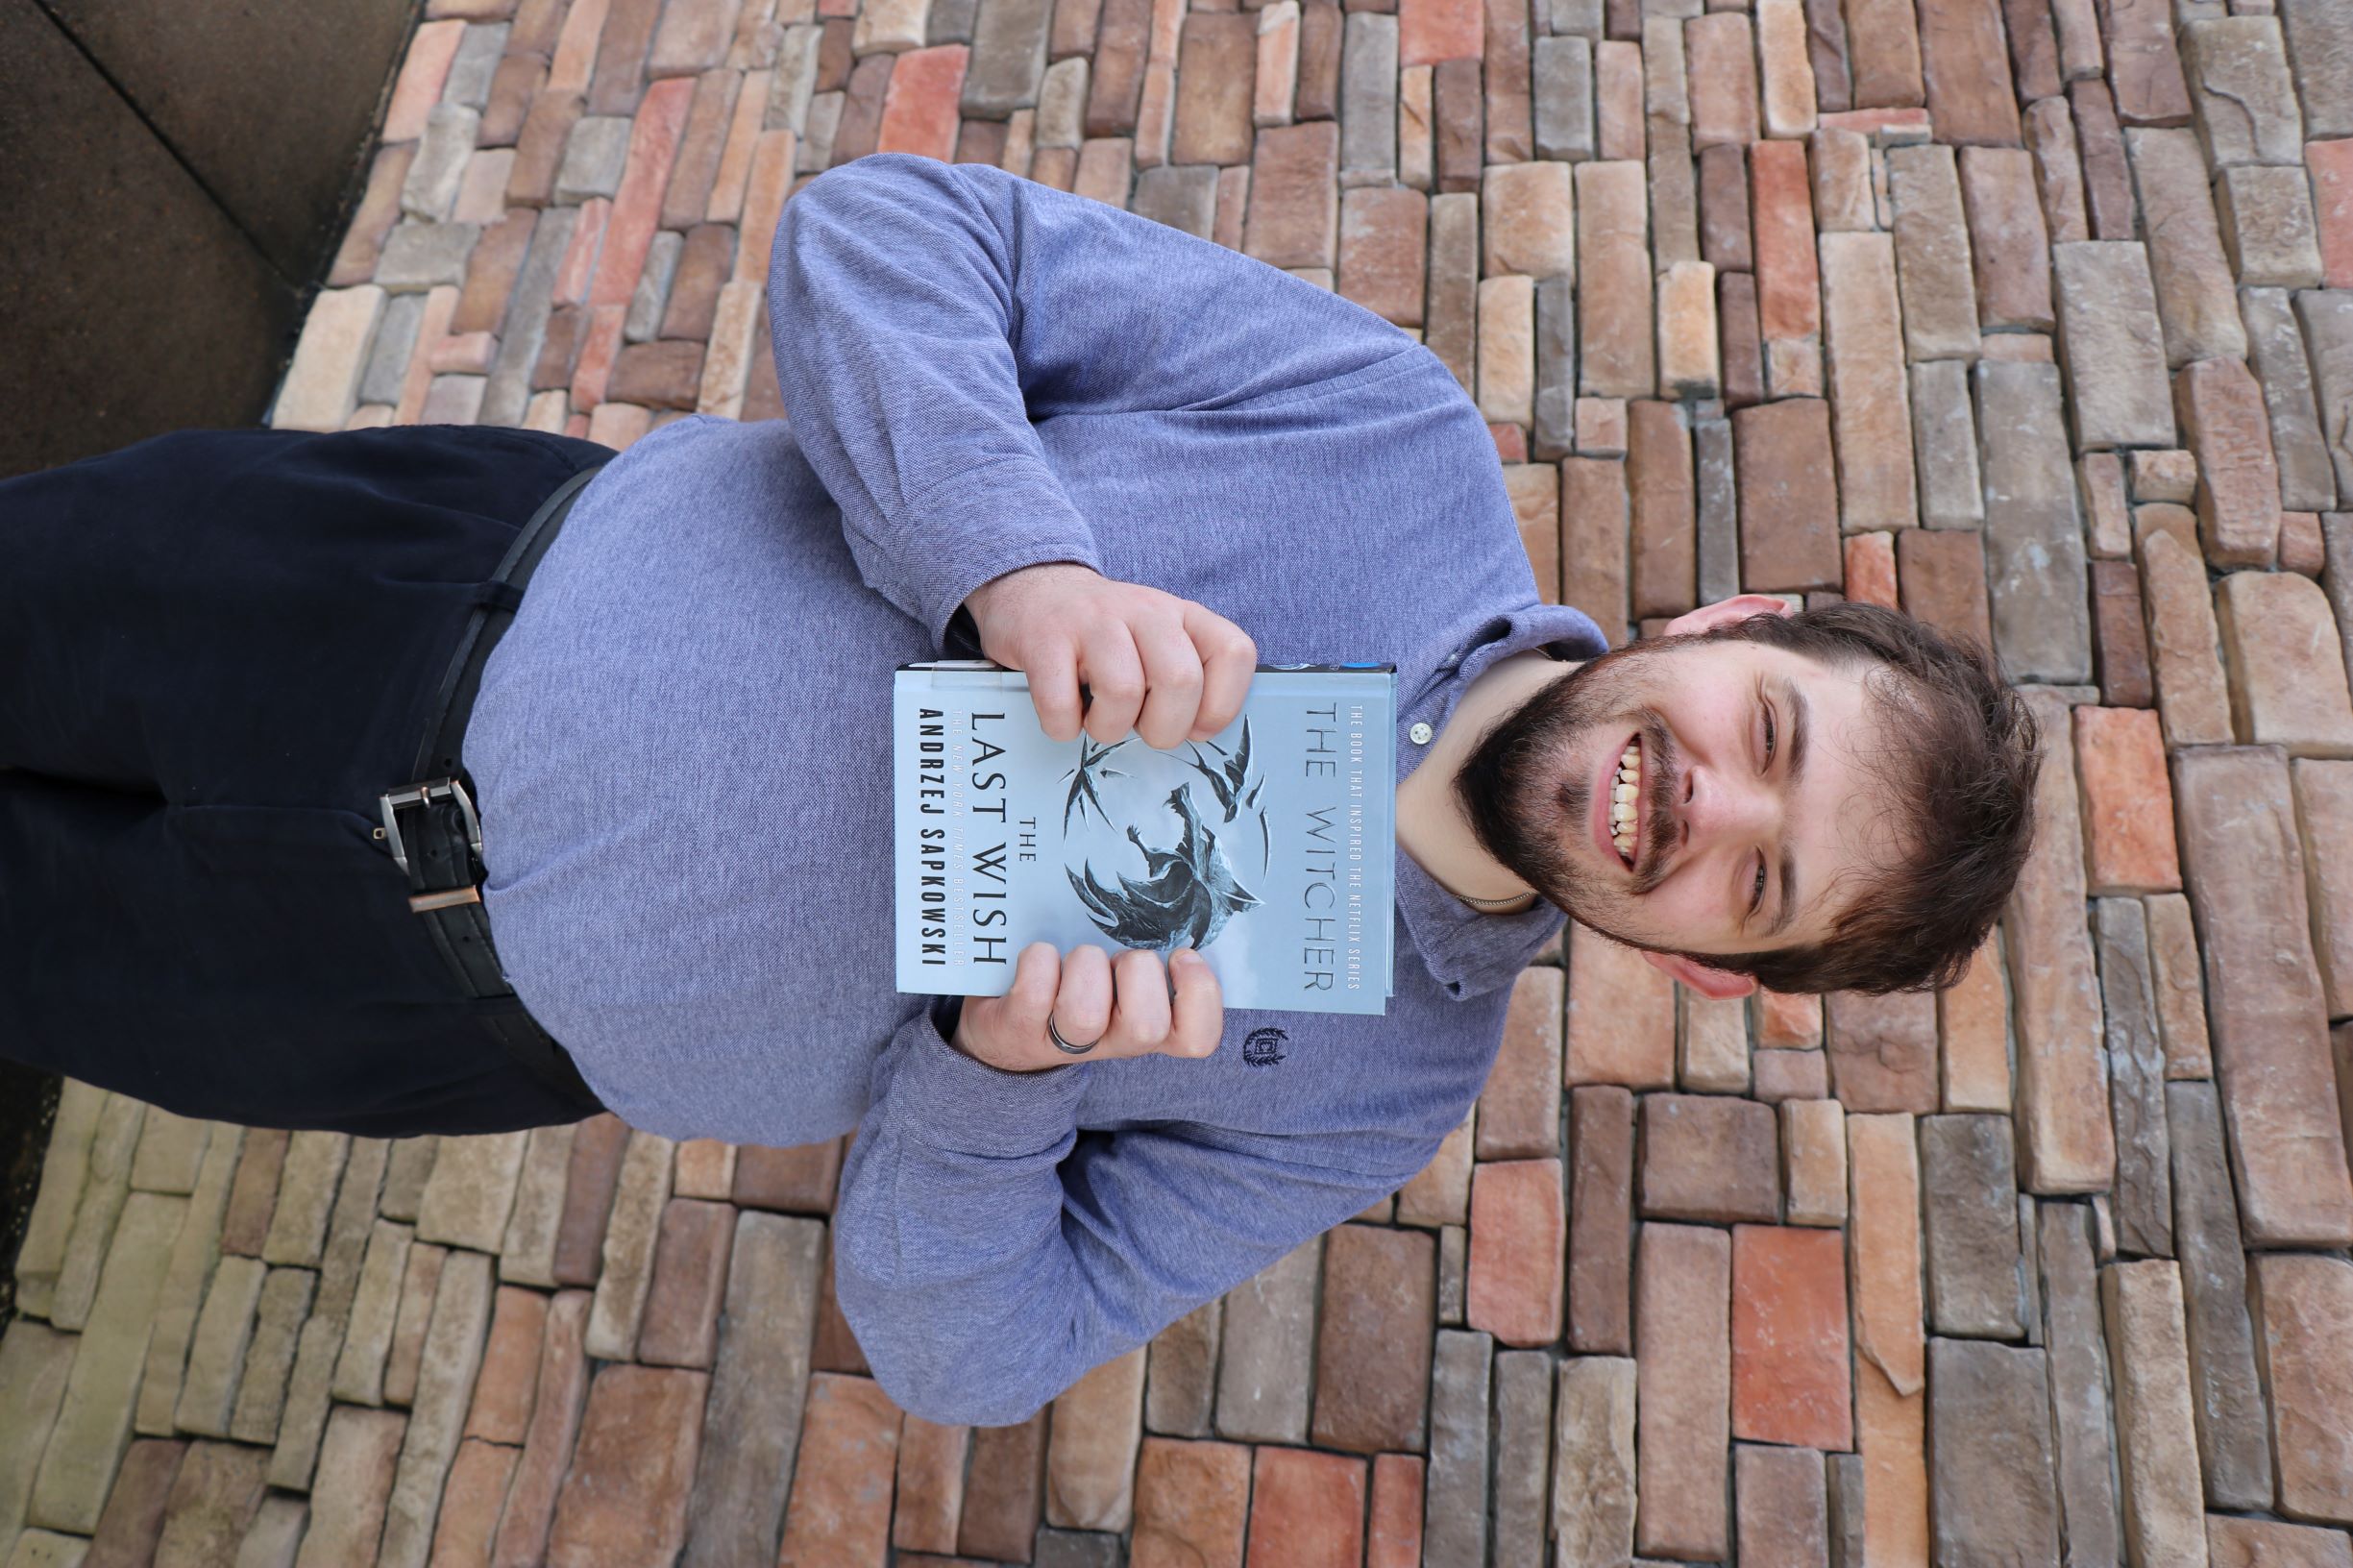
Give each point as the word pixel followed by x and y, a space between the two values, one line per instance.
pixel 1431 825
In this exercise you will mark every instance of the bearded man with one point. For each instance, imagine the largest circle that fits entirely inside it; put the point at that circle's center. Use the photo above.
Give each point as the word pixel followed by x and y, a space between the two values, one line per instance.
pixel 292 745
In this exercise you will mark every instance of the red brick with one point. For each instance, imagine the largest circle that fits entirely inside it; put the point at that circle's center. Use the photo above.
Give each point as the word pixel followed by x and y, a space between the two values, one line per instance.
pixel 513 88
pixel 490 273
pixel 471 1501
pixel 1882 1051
pixel 1395 1535
pixel 1594 534
pixel 624 1497
pixel 1294 208
pixel 1216 81
pixel 1785 1022
pixel 1788 497
pixel 1519 1110
pixel 1790 1075
pixel 547 1449
pixel 2330 164
pixel 836 1348
pixel 621 55
pixel 1973 1020
pixel 2143 65
pixel 1940 576
pixel 252 1192
pixel 379 208
pixel 1317 97
pixel 1788 272
pixel 508 1385
pixel 1790 1381
pixel 795 1181
pixel 594 1174
pixel 1658 473
pixel 690 1279
pixel 2129 808
pixel 1720 54
pixel 1709 1157
pixel 1518 1238
pixel 1004 1490
pixel 1460 111
pixel 1432 31
pixel 1683 1343
pixel 2120 636
pixel 1382 249
pixel 1871 568
pixel 1601 1220
pixel 1372 1349
pixel 861 123
pixel 1510 129
pixel 919 112
pixel 930 1494
pixel 840 1503
pixel 133 1518
pixel 1307 1510
pixel 424 71
pixel 1621 1022
pixel 1968 73
pixel 1192 1502
pixel 1090 1446
pixel 2223 420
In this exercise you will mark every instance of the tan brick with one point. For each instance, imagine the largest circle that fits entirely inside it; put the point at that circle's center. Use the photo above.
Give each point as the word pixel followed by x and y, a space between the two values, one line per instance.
pixel 1814 1152
pixel 1518 1242
pixel 1683 1389
pixel 626 1492
pixel 2128 807
pixel 1617 356
pixel 2156 1441
pixel 1621 1022
pixel 1090 1449
pixel 2305 1308
pixel 2286 664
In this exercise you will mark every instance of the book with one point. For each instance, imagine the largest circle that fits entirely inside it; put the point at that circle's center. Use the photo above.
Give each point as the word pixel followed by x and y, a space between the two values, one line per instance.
pixel 1269 847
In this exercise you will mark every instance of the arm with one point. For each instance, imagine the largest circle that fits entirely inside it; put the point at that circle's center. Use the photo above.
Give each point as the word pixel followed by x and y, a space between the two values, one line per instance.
pixel 924 313
pixel 987 1256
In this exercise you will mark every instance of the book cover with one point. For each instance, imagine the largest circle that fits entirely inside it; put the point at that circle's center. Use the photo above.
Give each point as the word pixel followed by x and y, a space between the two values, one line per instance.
pixel 1269 848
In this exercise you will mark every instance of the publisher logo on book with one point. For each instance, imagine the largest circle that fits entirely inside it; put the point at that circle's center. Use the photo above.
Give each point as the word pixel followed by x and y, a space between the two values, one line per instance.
pixel 1263 1048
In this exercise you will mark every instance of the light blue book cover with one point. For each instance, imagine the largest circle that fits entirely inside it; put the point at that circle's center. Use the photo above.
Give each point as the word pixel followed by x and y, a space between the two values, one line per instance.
pixel 1269 848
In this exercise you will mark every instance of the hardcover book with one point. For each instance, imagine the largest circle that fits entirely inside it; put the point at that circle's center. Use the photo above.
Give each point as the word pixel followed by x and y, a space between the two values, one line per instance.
pixel 1268 848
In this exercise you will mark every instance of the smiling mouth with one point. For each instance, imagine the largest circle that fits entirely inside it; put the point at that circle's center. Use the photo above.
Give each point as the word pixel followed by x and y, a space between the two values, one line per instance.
pixel 1625 804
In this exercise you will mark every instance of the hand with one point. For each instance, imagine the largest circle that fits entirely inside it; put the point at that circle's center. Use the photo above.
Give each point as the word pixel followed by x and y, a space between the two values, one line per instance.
pixel 1164 667
pixel 1146 1016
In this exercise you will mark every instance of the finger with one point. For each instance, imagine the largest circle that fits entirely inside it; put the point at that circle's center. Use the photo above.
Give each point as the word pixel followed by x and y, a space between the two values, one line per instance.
pixel 1197 1017
pixel 1229 659
pixel 1053 686
pixel 1115 682
pixel 1083 1002
pixel 1139 1024
pixel 1173 683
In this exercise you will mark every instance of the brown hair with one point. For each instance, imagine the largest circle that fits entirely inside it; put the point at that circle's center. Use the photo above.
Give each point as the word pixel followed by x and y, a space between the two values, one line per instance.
pixel 1958 770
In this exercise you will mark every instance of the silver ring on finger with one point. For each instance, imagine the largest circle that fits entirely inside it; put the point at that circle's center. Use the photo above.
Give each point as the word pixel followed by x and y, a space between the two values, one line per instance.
pixel 1065 1046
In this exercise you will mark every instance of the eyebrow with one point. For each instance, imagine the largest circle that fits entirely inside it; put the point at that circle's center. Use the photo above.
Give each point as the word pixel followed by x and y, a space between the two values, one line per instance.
pixel 1794 700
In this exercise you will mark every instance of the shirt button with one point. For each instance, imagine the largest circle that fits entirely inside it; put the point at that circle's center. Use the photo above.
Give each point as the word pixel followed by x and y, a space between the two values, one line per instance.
pixel 1419 734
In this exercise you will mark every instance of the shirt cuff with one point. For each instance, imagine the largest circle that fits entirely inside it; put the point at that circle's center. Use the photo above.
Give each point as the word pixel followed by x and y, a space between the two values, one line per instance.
pixel 948 1100
pixel 982 523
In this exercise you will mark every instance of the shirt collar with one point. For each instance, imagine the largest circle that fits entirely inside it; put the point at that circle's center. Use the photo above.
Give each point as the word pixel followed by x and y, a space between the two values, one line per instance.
pixel 1472 951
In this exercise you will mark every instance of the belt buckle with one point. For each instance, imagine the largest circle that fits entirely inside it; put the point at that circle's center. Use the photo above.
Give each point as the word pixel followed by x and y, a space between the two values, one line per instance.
pixel 419 795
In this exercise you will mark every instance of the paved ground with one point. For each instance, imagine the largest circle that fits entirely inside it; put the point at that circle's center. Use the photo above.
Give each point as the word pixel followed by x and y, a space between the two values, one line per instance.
pixel 2018 314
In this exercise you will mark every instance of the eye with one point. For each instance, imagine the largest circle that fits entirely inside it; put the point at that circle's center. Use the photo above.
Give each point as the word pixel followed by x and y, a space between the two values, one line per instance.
pixel 1769 735
pixel 1756 898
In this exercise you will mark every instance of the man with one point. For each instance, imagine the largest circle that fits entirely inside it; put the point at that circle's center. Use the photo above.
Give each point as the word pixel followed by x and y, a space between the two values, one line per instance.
pixel 1024 426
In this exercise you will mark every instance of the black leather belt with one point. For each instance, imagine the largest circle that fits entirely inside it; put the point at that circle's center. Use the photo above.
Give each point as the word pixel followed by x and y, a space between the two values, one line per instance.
pixel 432 831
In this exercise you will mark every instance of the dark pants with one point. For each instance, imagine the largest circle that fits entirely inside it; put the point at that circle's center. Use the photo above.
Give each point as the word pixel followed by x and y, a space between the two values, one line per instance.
pixel 217 648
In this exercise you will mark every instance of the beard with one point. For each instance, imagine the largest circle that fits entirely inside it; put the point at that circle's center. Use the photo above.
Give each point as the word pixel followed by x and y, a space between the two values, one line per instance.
pixel 1526 786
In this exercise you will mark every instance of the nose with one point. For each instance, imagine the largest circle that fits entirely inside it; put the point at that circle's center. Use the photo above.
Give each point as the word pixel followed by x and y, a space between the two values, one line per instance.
pixel 1718 806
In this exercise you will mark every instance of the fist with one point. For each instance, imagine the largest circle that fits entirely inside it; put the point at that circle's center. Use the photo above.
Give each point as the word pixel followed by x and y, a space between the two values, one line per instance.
pixel 1165 667
pixel 1132 1005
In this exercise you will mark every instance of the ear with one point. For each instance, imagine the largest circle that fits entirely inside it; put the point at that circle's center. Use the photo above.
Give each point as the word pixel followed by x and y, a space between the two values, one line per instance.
pixel 1738 607
pixel 1717 985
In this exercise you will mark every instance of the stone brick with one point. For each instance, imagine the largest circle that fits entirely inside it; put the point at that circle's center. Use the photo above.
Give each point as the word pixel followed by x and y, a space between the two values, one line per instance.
pixel 2112 345
pixel 2128 816
pixel 1708 1158
pixel 1593 1473
pixel 1617 100
pixel 2324 814
pixel 2305 1306
pixel 1618 359
pixel 2120 636
pixel 453 1354
pixel 1783 1514
pixel 2284 371
pixel 690 1277
pixel 1307 1509
pixel 2058 169
pixel 2327 320
pixel 527 1253
pixel 626 1496
pixel 1721 51
pixel 1508 350
pixel 1600 1229
pixel 629 1243
pixel 2192 701
pixel 1788 498
pixel 1562 88
pixel 1621 1019
pixel 472 1190
pixel 1440 1194
pixel 2034 539
pixel 2268 228
pixel 2148 1360
pixel 2081 1439
pixel 2144 66
pixel 1988 1443
pixel 2285 662
pixel 2243 99
pixel 2143 1199
pixel 92 1428
pixel 2262 1543
pixel 1790 90
pixel 1269 1342
pixel 1841 164
pixel 1393 1529
pixel 1789 1377
pixel 354 1480
pixel 2180 994
pixel 1372 1357
pixel 2234 1451
pixel 1294 209
pixel 1090 1449
pixel 1181 1376
pixel 65 1172
pixel 1970 1232
pixel 2263 996
pixel 2194 301
pixel 1882 1051
pixel 1458 124
pixel 1518 1241
pixel 1814 1148
pixel 1885 1248
pixel 1683 1343
pixel 1368 83
pixel 1430 32
pixel 1192 1504
pixel 1788 285
pixel 1714 1058
pixel 216 1351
